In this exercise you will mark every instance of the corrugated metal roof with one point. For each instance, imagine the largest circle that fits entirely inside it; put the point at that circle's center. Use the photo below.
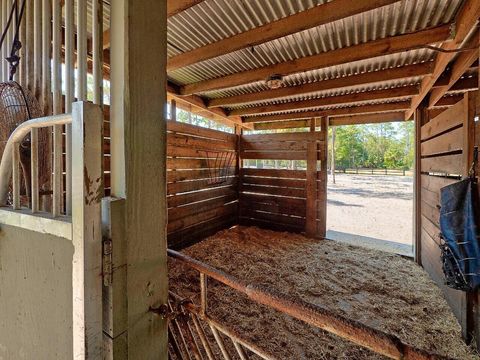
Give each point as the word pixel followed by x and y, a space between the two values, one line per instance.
pixel 213 20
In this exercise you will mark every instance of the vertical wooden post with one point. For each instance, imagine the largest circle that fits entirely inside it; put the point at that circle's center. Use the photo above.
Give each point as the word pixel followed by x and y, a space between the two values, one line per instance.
pixel 69 97
pixel 97 44
pixel 139 169
pixel 334 131
pixel 239 167
pixel 472 302
pixel 37 45
pixel 87 181
pixel 311 186
pixel 173 110
pixel 82 50
pixel 322 183
pixel 46 58
pixel 420 118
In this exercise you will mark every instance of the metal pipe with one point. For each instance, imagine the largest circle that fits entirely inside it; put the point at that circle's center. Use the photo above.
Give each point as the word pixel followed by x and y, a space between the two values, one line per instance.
pixel 220 343
pixel 16 137
pixel 358 333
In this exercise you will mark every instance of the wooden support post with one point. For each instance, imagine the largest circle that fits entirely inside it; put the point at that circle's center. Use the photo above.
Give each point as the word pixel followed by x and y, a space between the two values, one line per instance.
pixel 332 166
pixel 472 330
pixel 311 186
pixel 87 179
pixel 238 168
pixel 138 166
pixel 173 110
pixel 421 118
pixel 322 183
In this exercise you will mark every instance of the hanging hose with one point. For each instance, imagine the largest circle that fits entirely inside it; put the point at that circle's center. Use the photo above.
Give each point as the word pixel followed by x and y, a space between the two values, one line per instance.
pixel 14 58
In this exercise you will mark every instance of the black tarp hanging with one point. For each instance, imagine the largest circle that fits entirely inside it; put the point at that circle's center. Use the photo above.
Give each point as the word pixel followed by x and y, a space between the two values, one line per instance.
pixel 459 225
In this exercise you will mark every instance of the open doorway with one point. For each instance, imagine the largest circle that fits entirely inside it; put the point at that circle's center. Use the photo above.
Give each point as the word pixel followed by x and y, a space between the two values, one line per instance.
pixel 370 185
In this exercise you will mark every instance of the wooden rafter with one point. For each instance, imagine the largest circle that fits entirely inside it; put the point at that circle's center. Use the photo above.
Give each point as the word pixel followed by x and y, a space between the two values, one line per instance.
pixel 389 45
pixel 335 121
pixel 362 109
pixel 465 21
pixel 382 94
pixel 461 64
pixel 304 20
pixel 407 71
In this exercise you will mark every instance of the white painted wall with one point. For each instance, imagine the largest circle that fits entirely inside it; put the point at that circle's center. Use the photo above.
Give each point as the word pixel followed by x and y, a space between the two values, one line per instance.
pixel 35 295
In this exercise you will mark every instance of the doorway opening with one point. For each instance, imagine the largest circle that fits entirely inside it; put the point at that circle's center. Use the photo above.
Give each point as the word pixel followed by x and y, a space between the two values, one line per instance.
pixel 370 186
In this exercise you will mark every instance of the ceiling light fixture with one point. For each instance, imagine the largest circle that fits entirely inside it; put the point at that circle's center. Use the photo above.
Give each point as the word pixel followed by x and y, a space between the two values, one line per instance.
pixel 274 81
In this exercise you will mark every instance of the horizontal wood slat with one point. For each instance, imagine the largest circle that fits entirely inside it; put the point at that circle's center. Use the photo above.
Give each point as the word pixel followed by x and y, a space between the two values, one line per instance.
pixel 196 208
pixel 195 185
pixel 449 164
pixel 274 173
pixel 447 142
pixel 274 146
pixel 185 164
pixel 446 120
pixel 287 183
pixel 176 225
pixel 187 198
pixel 199 143
pixel 271 155
pixel 175 126
pixel 270 190
pixel 296 136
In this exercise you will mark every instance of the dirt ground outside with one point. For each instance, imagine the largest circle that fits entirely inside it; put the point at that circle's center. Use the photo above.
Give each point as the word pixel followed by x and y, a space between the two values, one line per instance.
pixel 371 210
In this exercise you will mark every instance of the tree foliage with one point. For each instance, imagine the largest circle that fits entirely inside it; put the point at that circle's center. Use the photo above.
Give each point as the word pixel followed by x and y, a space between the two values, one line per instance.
pixel 385 145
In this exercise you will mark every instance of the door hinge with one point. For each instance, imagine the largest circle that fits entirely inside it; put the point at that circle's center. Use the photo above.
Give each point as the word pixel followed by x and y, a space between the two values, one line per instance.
pixel 107 263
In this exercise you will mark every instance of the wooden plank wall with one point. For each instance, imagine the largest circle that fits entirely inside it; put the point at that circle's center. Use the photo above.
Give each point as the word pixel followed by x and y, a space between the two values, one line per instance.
pixel 277 198
pixel 442 162
pixel 197 208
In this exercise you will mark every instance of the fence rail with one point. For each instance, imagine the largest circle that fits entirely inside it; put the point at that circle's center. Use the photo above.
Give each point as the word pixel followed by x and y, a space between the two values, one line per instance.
pixel 371 171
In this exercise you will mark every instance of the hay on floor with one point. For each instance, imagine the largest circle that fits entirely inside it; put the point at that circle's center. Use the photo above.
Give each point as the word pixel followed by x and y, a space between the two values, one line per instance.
pixel 381 290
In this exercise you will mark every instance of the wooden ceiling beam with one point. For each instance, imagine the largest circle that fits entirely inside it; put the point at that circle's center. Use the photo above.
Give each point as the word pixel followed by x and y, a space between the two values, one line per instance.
pixel 460 66
pixel 310 18
pixel 403 72
pixel 367 119
pixel 466 19
pixel 383 94
pixel 389 45
pixel 335 121
pixel 361 109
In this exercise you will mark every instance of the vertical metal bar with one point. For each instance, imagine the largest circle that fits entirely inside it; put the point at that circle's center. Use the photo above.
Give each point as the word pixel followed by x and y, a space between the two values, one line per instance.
pixel 23 51
pixel 82 50
pixel 173 110
pixel 34 168
pixel 203 338
pixel 241 353
pixel 69 98
pixel 56 62
pixel 97 44
pixel 28 57
pixel 180 333
pixel 37 45
pixel 57 109
pixel 16 175
pixel 220 343
pixel 57 170
pixel 46 50
pixel 203 294
pixel 4 48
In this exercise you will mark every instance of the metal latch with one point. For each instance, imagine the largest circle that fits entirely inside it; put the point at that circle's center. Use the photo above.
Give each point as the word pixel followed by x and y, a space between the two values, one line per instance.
pixel 107 262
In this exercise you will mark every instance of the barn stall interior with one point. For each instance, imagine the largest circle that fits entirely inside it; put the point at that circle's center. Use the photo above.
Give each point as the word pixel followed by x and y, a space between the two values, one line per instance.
pixel 249 273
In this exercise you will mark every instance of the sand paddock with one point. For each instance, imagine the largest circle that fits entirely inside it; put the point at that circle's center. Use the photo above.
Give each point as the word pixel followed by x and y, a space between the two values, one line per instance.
pixel 382 290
